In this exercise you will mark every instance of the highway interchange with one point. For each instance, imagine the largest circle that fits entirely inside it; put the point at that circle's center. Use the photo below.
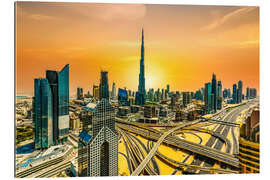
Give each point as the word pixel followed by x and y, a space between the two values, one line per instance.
pixel 217 155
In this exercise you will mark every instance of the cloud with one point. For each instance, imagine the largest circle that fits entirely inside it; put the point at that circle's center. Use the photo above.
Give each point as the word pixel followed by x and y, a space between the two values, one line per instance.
pixel 40 17
pixel 107 12
pixel 227 17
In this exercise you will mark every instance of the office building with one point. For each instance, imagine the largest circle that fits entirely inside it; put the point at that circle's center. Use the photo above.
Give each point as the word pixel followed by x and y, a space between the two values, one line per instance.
pixel 234 95
pixel 240 91
pixel 139 99
pixel 103 85
pixel 186 98
pixel 113 91
pixel 56 106
pixel 214 92
pixel 249 147
pixel 253 93
pixel 207 98
pixel 79 93
pixel 151 111
pixel 122 97
pixel 95 92
pixel 247 93
pixel 219 89
pixel 99 147
pixel 43 114
pixel 168 88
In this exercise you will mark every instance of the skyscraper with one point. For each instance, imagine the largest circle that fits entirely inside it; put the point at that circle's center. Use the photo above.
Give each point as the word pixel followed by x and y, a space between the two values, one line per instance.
pixel 79 93
pixel 247 93
pixel 95 92
pixel 234 95
pixel 43 114
pixel 56 106
pixel 104 86
pixel 214 92
pixel 113 91
pixel 207 97
pixel 240 91
pixel 168 88
pixel 100 145
pixel 122 97
pixel 141 88
pixel 219 89
pixel 63 101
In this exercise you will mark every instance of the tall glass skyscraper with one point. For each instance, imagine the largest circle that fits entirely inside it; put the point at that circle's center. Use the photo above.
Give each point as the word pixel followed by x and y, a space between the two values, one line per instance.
pixel 104 86
pixel 207 97
pixel 63 101
pixel 141 88
pixel 43 114
pixel 234 95
pixel 240 90
pixel 214 92
pixel 56 108
pixel 219 89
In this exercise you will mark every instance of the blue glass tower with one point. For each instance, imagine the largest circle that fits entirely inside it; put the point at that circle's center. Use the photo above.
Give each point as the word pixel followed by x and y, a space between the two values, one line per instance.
pixel 43 114
pixel 63 101
pixel 141 88
pixel 207 97
pixel 51 108
pixel 122 97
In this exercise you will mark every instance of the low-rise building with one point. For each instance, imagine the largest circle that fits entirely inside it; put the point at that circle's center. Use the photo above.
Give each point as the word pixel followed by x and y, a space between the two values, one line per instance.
pixel 249 147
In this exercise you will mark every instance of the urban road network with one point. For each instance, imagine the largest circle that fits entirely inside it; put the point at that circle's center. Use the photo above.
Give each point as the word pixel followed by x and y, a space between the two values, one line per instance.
pixel 140 158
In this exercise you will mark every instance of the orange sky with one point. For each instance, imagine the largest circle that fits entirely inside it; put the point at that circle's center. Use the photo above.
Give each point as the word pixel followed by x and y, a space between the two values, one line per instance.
pixel 184 45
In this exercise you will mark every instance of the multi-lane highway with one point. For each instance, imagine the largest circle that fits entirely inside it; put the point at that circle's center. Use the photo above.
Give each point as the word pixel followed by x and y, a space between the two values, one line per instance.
pixel 216 143
pixel 206 156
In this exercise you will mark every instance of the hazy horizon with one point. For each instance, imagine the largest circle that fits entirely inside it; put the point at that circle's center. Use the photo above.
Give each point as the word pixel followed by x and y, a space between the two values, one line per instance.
pixel 184 44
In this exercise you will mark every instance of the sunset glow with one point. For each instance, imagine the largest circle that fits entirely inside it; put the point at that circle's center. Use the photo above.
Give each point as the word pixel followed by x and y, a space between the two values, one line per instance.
pixel 184 45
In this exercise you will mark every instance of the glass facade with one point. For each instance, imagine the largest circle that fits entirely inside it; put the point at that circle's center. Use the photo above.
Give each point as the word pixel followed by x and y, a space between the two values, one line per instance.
pixel 104 86
pixel 214 92
pixel 122 97
pixel 207 97
pixel 43 114
pixel 51 108
pixel 52 77
pixel 63 101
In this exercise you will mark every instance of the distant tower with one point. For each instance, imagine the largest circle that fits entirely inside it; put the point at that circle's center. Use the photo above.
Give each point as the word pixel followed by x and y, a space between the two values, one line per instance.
pixel 240 89
pixel 113 91
pixel 214 92
pixel 219 87
pixel 207 97
pixel 141 87
pixel 104 85
pixel 234 95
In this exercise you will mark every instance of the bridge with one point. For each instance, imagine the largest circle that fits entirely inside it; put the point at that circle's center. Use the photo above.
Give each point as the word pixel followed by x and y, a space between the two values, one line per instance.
pixel 153 151
pixel 179 143
pixel 220 122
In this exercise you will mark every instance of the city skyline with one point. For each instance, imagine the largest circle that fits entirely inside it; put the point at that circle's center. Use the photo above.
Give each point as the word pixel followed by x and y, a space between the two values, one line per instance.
pixel 119 53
